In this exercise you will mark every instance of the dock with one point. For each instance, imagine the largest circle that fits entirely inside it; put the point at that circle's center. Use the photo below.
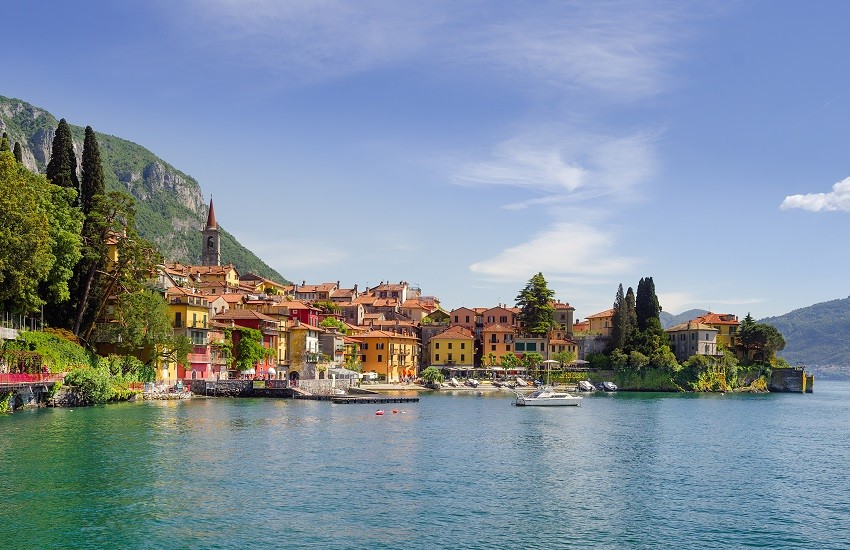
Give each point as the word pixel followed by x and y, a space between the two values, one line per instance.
pixel 359 399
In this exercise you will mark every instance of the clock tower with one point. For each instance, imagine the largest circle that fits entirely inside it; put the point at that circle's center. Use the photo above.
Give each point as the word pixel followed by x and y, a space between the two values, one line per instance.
pixel 211 251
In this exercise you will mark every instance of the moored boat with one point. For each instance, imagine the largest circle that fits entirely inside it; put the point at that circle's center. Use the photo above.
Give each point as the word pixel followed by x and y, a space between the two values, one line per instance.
pixel 547 397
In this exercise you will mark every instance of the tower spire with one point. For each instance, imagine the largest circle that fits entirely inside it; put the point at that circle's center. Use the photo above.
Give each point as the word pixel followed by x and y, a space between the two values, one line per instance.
pixel 211 223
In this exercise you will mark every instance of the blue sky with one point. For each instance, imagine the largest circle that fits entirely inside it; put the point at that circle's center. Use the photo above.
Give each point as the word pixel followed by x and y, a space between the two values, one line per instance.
pixel 465 146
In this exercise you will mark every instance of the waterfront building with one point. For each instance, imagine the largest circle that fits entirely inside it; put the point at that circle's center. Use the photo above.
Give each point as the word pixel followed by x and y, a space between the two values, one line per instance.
pixel 190 312
pixel 692 338
pixel 465 317
pixel 497 341
pixel 315 293
pixel 601 323
pixel 268 327
pixel 564 317
pixel 304 351
pixel 391 355
pixel 726 324
pixel 453 348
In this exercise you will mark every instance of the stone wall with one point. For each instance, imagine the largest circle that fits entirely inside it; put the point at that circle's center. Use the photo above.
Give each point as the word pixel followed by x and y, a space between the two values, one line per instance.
pixel 222 388
pixel 791 380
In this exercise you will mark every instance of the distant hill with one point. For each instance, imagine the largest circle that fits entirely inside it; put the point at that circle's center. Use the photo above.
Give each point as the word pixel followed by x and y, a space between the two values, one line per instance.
pixel 170 208
pixel 668 319
pixel 817 336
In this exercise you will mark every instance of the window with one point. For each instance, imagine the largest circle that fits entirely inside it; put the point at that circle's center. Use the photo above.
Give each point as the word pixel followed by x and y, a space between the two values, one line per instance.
pixel 492 337
pixel 379 345
pixel 462 358
pixel 463 345
pixel 380 358
pixel 508 347
pixel 450 357
pixel 178 319
pixel 450 345
pixel 455 318
pixel 503 319
pixel 366 346
pixel 467 318
pixel 531 346
pixel 492 347
pixel 437 357
pixel 194 319
pixel 437 345
pixel 520 346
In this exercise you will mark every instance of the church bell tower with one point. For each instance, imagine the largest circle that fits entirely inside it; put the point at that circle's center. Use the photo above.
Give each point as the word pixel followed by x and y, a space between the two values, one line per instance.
pixel 211 251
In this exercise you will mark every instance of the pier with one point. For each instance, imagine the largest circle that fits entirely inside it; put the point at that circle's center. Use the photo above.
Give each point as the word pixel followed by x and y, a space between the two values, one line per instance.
pixel 359 399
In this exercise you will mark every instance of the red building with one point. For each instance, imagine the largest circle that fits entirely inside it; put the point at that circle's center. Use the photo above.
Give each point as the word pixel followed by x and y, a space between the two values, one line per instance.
pixel 267 326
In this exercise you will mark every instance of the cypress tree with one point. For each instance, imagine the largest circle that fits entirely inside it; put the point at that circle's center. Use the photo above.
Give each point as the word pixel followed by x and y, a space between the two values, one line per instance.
pixel 92 183
pixel 62 168
pixel 619 322
pixel 4 142
pixel 632 325
pixel 18 152
pixel 646 304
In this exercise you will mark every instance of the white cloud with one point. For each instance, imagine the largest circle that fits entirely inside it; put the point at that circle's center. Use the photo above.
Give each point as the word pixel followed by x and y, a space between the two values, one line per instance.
pixel 564 165
pixel 837 199
pixel 561 252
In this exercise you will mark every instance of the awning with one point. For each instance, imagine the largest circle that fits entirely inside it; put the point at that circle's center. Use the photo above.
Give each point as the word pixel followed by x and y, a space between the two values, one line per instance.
pixel 271 370
pixel 344 374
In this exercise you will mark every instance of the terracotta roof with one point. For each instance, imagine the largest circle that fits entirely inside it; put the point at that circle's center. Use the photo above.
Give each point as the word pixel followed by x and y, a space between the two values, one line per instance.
pixel 556 341
pixel 717 319
pixel 560 305
pixel 324 287
pixel 385 334
pixel 497 327
pixel 584 325
pixel 456 332
pixel 233 314
pixel 690 325
pixel 606 313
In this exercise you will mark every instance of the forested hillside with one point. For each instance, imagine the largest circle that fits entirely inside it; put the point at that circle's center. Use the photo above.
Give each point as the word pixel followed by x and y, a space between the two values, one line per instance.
pixel 170 205
pixel 817 336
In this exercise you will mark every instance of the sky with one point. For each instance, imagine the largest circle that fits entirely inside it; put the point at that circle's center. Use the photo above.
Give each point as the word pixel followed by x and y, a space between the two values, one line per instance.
pixel 464 146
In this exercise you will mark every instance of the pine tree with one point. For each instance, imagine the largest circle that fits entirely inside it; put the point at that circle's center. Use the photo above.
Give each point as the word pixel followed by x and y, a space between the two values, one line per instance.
pixel 19 153
pixel 92 182
pixel 62 168
pixel 535 300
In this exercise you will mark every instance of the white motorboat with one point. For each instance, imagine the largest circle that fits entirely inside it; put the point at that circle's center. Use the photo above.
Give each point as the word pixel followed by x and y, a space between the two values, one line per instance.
pixel 585 385
pixel 472 382
pixel 548 397
pixel 453 382
pixel 520 382
pixel 609 386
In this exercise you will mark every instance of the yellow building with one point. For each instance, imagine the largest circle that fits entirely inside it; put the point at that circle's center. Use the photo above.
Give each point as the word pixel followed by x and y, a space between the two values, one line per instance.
pixel 601 323
pixel 726 325
pixel 453 348
pixel 392 355
pixel 190 314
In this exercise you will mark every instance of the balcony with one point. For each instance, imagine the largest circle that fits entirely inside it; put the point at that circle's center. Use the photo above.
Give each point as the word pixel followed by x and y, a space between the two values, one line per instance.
pixel 198 358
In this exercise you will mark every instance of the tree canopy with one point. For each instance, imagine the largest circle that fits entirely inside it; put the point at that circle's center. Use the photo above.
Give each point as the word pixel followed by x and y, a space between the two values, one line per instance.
pixel 537 314
pixel 62 168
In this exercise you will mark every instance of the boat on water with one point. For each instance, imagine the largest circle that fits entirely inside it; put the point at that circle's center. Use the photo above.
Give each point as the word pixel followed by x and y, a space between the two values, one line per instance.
pixel 548 397
pixel 609 386
pixel 585 385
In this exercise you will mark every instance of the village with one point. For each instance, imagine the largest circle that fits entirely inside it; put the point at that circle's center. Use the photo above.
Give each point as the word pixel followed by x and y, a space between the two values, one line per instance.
pixel 386 333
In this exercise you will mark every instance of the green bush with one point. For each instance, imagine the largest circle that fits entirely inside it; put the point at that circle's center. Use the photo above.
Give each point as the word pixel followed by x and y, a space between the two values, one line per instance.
pixel 93 384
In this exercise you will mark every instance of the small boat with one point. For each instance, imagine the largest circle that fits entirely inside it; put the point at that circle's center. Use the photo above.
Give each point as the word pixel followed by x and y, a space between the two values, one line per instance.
pixel 585 385
pixel 453 382
pixel 498 384
pixel 520 383
pixel 609 386
pixel 379 412
pixel 548 397
pixel 472 382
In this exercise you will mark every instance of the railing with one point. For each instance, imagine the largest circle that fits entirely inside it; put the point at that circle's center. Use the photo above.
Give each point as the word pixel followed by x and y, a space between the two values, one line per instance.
pixel 20 378
pixel 198 358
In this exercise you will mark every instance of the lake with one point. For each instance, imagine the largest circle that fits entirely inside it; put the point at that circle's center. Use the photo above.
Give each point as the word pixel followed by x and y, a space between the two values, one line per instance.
pixel 451 471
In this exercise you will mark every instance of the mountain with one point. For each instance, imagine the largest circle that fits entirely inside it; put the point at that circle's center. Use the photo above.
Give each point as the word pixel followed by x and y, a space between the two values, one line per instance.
pixel 170 209
pixel 668 319
pixel 817 335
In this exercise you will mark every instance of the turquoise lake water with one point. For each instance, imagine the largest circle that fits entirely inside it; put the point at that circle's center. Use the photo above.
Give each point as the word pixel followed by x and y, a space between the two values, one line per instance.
pixel 452 471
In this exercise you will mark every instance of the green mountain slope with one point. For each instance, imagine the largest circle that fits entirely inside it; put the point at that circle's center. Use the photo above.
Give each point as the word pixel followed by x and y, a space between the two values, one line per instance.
pixel 668 319
pixel 816 335
pixel 170 206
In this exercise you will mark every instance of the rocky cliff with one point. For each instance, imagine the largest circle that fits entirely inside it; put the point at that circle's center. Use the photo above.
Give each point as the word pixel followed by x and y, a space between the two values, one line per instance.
pixel 170 206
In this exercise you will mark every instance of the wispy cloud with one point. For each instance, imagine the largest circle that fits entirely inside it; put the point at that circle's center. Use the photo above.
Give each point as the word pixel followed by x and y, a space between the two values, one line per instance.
pixel 579 167
pixel 563 251
pixel 836 200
